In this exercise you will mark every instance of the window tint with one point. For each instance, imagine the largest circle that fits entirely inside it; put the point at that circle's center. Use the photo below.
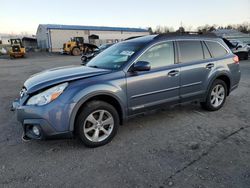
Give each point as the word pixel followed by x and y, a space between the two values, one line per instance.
pixel 216 49
pixel 207 54
pixel 190 51
pixel 160 55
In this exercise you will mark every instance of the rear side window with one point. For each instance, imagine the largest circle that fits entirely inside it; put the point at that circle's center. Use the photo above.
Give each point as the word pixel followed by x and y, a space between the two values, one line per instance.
pixel 216 49
pixel 190 51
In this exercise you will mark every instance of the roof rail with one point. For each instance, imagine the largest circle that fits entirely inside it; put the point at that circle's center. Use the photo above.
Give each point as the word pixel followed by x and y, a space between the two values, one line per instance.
pixel 186 33
pixel 134 37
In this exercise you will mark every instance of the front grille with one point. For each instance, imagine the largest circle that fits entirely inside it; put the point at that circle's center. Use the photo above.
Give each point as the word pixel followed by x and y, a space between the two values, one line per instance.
pixel 64 45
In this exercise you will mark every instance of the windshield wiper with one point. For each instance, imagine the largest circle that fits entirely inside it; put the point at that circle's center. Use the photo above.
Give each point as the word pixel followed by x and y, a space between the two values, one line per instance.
pixel 97 67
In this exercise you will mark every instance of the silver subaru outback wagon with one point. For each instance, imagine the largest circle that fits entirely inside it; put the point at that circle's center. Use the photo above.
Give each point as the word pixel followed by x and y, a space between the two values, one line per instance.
pixel 127 79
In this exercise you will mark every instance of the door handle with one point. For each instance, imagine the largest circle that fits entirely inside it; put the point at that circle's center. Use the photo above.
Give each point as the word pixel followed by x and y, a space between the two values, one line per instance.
pixel 209 66
pixel 173 73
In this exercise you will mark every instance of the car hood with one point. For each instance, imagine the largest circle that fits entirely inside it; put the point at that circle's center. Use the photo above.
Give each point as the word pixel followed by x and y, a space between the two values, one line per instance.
pixel 59 75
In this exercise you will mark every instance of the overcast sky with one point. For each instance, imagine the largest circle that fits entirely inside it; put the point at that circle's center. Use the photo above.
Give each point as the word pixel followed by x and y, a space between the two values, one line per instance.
pixel 24 15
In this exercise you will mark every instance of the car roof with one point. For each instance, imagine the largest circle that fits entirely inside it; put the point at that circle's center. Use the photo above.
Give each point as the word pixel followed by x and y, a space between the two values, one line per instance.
pixel 174 36
pixel 141 39
pixel 191 35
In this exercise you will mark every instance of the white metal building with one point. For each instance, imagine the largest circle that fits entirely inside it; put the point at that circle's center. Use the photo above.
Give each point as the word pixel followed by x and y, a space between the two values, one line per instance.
pixel 52 37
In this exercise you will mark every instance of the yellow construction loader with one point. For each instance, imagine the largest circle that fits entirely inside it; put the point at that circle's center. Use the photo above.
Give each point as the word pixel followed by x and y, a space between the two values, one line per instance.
pixel 17 49
pixel 76 46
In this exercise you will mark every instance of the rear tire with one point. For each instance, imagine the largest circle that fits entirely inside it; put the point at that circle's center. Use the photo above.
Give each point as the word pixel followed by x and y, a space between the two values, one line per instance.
pixel 216 96
pixel 76 52
pixel 97 123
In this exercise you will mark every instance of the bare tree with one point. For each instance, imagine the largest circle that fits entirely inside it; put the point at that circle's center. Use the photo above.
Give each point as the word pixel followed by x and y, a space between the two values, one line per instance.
pixel 150 30
pixel 181 30
pixel 244 28
pixel 206 28
pixel 163 29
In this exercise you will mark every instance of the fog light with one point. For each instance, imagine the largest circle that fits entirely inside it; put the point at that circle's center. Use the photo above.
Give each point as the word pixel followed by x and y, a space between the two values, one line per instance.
pixel 36 130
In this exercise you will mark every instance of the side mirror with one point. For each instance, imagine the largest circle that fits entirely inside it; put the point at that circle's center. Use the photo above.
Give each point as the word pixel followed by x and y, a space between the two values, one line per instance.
pixel 141 66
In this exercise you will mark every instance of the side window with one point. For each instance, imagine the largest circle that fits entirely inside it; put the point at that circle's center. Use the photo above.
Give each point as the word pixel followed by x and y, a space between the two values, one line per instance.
pixel 159 55
pixel 190 51
pixel 207 54
pixel 216 49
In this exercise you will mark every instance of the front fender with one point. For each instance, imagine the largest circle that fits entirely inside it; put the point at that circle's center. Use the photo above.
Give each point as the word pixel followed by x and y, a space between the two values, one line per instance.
pixel 92 91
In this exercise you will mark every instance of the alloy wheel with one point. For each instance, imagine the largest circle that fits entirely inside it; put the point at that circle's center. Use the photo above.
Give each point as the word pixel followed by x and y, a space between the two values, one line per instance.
pixel 98 125
pixel 217 95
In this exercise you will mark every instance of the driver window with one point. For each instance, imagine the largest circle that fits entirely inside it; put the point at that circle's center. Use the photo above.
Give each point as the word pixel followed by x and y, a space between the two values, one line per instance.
pixel 160 55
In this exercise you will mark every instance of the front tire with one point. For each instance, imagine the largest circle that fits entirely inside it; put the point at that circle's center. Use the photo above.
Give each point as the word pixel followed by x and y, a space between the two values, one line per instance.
pixel 97 123
pixel 76 52
pixel 216 96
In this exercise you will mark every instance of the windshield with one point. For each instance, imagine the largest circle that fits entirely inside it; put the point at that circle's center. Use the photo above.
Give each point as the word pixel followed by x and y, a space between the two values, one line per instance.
pixel 15 41
pixel 115 56
pixel 104 46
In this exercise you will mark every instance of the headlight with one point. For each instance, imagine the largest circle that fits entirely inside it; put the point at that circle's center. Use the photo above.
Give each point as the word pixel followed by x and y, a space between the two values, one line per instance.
pixel 47 96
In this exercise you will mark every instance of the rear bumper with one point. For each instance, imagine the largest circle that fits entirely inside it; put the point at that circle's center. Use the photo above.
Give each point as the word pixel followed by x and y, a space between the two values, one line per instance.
pixel 17 53
pixel 234 87
pixel 63 51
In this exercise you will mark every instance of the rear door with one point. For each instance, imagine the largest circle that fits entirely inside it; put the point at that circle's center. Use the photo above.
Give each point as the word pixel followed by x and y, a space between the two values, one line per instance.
pixel 195 65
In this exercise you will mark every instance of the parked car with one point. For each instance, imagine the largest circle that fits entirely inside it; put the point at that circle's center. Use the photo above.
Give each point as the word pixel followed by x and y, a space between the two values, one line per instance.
pixel 127 79
pixel 3 51
pixel 238 48
pixel 87 56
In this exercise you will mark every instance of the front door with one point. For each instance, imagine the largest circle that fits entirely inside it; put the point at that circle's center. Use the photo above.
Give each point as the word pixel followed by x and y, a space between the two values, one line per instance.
pixel 159 85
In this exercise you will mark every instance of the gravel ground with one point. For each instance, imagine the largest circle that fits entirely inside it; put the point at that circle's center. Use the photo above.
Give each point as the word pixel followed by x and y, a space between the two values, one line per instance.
pixel 182 146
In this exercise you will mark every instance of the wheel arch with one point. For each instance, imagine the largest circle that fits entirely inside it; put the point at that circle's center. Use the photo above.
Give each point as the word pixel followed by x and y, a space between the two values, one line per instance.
pixel 222 76
pixel 106 97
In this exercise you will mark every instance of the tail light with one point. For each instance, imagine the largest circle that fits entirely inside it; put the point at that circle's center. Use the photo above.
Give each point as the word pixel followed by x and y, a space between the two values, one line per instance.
pixel 236 59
